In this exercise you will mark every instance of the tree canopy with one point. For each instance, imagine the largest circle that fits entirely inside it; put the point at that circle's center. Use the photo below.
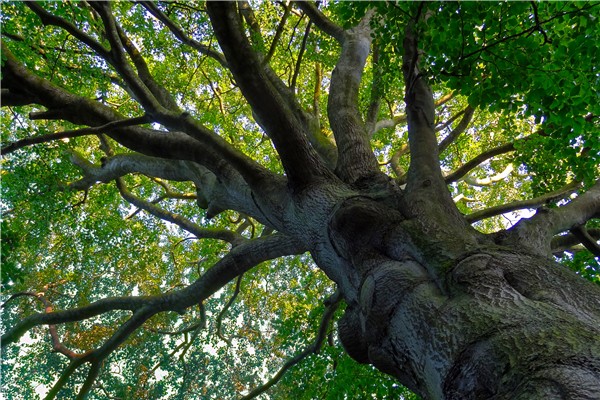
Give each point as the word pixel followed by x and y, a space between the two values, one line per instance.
pixel 153 155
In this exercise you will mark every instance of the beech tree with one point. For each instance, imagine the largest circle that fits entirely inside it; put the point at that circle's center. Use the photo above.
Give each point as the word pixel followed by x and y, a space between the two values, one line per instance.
pixel 301 200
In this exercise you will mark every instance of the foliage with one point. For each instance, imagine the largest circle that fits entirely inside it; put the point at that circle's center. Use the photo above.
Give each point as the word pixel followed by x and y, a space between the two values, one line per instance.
pixel 528 71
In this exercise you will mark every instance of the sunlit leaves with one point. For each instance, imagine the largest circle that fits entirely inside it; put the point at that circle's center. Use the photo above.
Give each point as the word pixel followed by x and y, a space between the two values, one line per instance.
pixel 530 70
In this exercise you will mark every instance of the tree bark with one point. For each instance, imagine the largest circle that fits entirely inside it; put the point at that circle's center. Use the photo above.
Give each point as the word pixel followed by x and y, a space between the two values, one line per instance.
pixel 448 311
pixel 494 323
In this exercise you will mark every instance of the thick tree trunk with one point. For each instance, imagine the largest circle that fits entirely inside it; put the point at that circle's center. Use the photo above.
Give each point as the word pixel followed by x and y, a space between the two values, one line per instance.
pixel 491 323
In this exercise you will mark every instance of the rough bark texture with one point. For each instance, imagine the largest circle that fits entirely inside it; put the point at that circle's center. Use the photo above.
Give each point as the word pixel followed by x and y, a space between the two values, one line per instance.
pixel 492 322
pixel 452 313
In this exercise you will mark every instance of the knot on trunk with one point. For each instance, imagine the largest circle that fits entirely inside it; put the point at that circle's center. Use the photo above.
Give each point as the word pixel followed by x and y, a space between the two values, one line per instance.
pixel 358 227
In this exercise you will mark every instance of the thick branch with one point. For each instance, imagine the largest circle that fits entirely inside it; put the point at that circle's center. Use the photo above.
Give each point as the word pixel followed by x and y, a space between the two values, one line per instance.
pixel 239 260
pixel 565 242
pixel 376 93
pixel 355 157
pixel 206 148
pixel 535 233
pixel 586 239
pixel 425 186
pixel 424 169
pixel 271 110
pixel 321 21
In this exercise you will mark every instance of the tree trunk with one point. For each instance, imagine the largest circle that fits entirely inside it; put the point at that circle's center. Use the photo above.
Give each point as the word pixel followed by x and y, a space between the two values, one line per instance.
pixel 489 323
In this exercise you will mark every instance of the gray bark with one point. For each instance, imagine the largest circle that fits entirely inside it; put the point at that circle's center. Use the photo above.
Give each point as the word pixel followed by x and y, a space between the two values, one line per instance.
pixel 450 312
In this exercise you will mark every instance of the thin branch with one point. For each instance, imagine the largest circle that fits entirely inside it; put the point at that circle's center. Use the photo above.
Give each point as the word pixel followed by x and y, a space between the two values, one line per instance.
pixel 460 128
pixel 50 19
pixel 536 27
pixel 143 94
pixel 185 224
pixel 74 314
pixel 64 377
pixel 402 118
pixel 219 320
pixel 278 33
pixel 332 304
pixel 239 260
pixel 535 202
pixel 57 344
pixel 9 148
pixel 473 181
pixel 159 92
pixel 181 35
pixel 474 162
pixel 300 55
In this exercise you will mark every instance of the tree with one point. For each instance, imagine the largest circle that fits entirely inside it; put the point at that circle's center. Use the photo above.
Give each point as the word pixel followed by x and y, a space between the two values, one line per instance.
pixel 363 154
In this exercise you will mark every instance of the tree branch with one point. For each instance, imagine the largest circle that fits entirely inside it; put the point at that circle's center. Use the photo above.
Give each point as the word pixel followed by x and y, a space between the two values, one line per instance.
pixel 586 239
pixel 57 344
pixel 523 204
pixel 239 260
pixel 424 179
pixel 159 92
pixel 9 148
pixel 460 128
pixel 185 224
pixel 219 320
pixel 153 103
pixel 355 157
pixel 424 166
pixel 50 19
pixel 535 233
pixel 401 118
pixel 181 35
pixel 321 21
pixel 278 33
pixel 376 93
pixel 332 304
pixel 271 110
pixel 299 59
pixel 473 181
pixel 474 162
pixel 206 147
pixel 565 242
